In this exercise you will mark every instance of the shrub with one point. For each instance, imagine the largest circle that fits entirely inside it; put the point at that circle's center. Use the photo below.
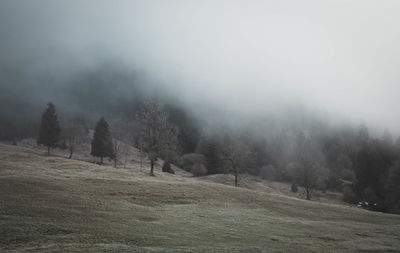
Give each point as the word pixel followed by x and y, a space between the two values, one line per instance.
pixel 321 185
pixel 396 208
pixel 194 163
pixel 334 181
pixel 270 172
pixel 289 172
pixel 198 169
pixel 63 145
pixel 348 195
pixel 188 160
pixel 370 195
pixel 167 168
pixel 294 187
pixel 347 175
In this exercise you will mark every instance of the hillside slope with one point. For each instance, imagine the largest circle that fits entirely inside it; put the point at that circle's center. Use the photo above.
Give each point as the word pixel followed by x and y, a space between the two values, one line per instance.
pixel 50 204
pixel 282 188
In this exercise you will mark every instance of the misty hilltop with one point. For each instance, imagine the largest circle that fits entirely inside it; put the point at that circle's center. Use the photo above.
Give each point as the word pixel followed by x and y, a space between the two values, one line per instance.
pixel 146 116
pixel 336 58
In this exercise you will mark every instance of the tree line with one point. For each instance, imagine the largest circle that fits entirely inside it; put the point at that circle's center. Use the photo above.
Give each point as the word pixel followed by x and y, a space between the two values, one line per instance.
pixel 364 168
pixel 156 135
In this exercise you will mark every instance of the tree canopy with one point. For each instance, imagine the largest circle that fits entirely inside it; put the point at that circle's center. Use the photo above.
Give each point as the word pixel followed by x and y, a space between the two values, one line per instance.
pixel 102 145
pixel 49 131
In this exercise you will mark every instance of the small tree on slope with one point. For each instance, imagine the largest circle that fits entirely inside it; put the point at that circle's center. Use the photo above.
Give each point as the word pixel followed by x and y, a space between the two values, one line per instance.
pixel 234 155
pixel 307 170
pixel 49 132
pixel 157 134
pixel 102 145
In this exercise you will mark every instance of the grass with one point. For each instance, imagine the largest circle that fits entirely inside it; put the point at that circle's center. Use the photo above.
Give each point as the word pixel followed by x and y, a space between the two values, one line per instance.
pixel 52 204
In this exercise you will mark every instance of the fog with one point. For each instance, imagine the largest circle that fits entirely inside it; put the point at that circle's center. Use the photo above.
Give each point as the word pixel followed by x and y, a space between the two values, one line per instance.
pixel 248 58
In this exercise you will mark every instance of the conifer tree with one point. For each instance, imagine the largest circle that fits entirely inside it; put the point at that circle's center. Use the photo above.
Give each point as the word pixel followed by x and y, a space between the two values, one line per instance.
pixel 102 145
pixel 49 132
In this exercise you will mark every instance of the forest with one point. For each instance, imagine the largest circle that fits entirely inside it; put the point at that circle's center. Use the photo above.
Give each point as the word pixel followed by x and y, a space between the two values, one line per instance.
pixel 299 147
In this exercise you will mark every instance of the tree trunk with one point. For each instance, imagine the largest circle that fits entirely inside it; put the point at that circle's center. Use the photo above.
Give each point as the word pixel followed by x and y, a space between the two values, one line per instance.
pixel 308 195
pixel 140 161
pixel 71 151
pixel 151 168
pixel 236 177
pixel 115 162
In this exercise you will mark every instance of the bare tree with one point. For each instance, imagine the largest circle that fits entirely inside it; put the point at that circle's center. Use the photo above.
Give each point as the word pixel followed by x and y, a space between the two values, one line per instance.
pixel 126 159
pixel 234 155
pixel 120 130
pixel 74 133
pixel 139 146
pixel 121 151
pixel 117 148
pixel 157 135
pixel 306 173
pixel 307 176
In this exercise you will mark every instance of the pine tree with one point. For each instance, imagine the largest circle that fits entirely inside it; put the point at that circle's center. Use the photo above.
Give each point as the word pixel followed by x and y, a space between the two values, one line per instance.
pixel 102 145
pixel 49 132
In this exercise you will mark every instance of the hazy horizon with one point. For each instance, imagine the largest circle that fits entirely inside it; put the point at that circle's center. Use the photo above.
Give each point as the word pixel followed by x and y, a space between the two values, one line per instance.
pixel 336 58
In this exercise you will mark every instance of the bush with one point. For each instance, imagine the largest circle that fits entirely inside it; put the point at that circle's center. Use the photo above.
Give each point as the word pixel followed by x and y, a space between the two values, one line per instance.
pixel 288 172
pixel 347 175
pixel 370 195
pixel 167 168
pixel 348 195
pixel 194 163
pixel 294 187
pixel 198 169
pixel 396 208
pixel 63 145
pixel 270 172
pixel 187 161
pixel 334 182
pixel 321 185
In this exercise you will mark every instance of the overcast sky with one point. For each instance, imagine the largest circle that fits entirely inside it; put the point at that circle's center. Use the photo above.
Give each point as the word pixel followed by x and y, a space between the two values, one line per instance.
pixel 339 57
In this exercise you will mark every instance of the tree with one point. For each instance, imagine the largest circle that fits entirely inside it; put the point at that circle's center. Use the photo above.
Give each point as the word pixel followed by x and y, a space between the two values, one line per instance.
pixel 212 152
pixel 234 156
pixel 75 132
pixel 189 133
pixel 116 148
pixel 306 173
pixel 120 150
pixel 393 188
pixel 102 145
pixel 193 163
pixel 157 134
pixel 49 132
pixel 371 168
pixel 121 130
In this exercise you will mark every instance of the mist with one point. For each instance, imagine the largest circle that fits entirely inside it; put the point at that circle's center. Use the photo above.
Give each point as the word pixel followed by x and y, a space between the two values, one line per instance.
pixel 199 126
pixel 242 60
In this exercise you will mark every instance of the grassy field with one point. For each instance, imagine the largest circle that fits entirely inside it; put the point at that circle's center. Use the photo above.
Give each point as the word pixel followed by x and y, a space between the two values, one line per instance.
pixel 52 204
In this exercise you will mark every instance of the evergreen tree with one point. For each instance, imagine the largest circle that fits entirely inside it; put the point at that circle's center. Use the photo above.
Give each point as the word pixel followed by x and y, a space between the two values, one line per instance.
pixel 102 145
pixel 49 131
